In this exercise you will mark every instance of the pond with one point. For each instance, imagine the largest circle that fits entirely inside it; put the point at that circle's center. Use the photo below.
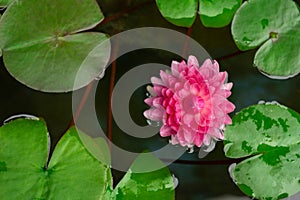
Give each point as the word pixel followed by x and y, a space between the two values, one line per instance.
pixel 206 178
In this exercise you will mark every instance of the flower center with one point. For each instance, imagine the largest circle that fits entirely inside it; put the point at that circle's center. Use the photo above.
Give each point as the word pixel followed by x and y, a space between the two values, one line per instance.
pixel 192 104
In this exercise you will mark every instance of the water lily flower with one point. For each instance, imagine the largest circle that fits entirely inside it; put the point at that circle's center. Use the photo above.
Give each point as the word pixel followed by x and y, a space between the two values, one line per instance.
pixel 191 102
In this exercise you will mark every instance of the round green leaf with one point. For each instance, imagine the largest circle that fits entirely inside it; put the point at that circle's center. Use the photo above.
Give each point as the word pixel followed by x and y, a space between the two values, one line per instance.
pixel 178 12
pixel 255 20
pixel 281 58
pixel 72 173
pixel 151 185
pixel 44 52
pixel 275 26
pixel 217 13
pixel 268 135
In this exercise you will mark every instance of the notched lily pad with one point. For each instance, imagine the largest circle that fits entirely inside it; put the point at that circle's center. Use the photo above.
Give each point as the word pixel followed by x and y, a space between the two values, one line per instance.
pixel 46 50
pixel 279 57
pixel 25 174
pixel 217 13
pixel 275 27
pixel 213 13
pixel 268 137
pixel 179 12
pixel 73 171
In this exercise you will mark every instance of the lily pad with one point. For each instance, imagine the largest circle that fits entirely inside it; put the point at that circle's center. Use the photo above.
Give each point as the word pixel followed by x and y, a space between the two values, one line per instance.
pixel 218 13
pixel 25 174
pixel 46 50
pixel 280 59
pixel 268 137
pixel 179 12
pixel 151 185
pixel 97 147
pixel 273 26
pixel 73 171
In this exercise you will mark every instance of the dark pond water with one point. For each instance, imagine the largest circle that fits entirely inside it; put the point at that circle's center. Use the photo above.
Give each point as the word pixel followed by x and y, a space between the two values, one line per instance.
pixel 206 180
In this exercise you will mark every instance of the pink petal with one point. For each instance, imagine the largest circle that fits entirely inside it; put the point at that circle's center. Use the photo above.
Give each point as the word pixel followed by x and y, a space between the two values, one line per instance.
pixel 206 139
pixel 198 140
pixel 229 107
pixel 215 132
pixel 188 136
pixel 157 101
pixel 156 81
pixel 206 64
pixel 175 68
pixel 202 129
pixel 212 90
pixel 166 131
pixel 216 65
pixel 174 140
pixel 195 89
pixel 149 101
pixel 171 121
pixel 178 86
pixel 223 76
pixel 172 81
pixel 183 93
pixel 172 102
pixel 192 61
pixel 187 118
pixel 227 93
pixel 170 110
pixel 165 78
pixel 180 138
pixel 227 120
pixel 182 66
pixel 157 89
pixel 165 103
pixel 204 91
pixel 154 114
pixel 228 86
pixel 163 91
pixel 169 93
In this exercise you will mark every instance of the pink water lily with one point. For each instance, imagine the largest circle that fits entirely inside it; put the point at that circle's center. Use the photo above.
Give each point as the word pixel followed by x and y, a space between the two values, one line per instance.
pixel 191 101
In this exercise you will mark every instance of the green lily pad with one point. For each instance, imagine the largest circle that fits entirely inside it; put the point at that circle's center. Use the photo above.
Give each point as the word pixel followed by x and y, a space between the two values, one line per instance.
pixel 275 26
pixel 72 173
pixel 97 147
pixel 179 12
pixel 45 51
pixel 217 13
pixel 280 59
pixel 151 185
pixel 268 137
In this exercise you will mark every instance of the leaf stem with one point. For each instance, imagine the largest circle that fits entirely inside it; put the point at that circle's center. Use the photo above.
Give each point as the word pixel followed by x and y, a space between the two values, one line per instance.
pixel 187 41
pixel 231 55
pixel 82 103
pixel 111 88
